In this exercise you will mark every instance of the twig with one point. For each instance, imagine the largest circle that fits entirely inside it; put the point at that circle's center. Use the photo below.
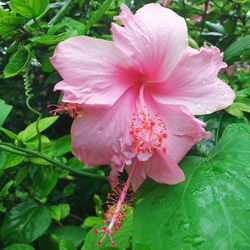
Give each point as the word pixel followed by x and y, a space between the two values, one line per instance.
pixel 4 146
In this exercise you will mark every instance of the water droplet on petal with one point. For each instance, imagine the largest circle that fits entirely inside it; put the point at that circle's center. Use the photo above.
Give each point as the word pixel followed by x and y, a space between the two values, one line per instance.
pixel 225 95
pixel 198 105
pixel 128 162
pixel 219 86
pixel 208 111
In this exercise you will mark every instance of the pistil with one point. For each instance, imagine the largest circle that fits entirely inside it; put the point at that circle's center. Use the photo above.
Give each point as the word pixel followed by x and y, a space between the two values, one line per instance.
pixel 116 213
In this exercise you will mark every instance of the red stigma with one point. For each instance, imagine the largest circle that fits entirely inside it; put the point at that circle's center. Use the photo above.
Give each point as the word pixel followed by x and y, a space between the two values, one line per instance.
pixel 72 109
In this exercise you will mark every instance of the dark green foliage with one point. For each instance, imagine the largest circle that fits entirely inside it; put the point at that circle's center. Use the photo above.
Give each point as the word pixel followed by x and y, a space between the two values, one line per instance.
pixel 51 201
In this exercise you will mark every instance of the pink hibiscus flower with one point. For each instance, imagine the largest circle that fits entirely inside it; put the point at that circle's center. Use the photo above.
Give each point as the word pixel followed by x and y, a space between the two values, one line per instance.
pixel 147 68
pixel 138 94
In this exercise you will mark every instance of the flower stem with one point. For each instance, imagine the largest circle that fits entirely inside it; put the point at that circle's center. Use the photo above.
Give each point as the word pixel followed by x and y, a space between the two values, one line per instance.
pixel 123 193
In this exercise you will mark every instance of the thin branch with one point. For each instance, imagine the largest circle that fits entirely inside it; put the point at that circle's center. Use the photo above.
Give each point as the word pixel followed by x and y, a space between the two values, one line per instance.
pixel 30 153
pixel 204 16
pixel 38 25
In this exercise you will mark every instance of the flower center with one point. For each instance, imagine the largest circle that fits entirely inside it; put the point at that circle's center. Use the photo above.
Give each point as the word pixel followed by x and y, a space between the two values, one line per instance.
pixel 148 133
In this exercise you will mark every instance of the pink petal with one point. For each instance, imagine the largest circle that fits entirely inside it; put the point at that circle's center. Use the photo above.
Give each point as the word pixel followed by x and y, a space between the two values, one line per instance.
pixel 93 71
pixel 183 129
pixel 162 168
pixel 155 38
pixel 103 137
pixel 194 83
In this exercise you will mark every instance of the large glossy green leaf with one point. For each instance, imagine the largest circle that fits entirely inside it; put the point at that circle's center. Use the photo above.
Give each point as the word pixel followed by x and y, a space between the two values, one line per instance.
pixel 29 8
pixel 210 210
pixel 25 222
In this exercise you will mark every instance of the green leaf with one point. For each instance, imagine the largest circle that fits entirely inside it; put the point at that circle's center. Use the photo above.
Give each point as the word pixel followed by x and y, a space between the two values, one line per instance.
pixel 9 133
pixel 5 190
pixel 21 174
pixel 59 212
pixel 66 245
pixel 54 39
pixel 9 22
pixel 19 247
pixel 98 14
pixel 74 25
pixel 33 143
pixel 192 43
pixel 69 189
pixel 30 131
pixel 62 146
pixel 17 62
pixel 12 160
pixel 5 110
pixel 234 51
pixel 44 180
pixel 25 222
pixel 216 27
pixel 60 14
pixel 207 211
pixel 2 158
pixel 92 221
pixel 237 109
pixel 29 8
pixel 121 237
pixel 74 234
pixel 61 236
pixel 75 163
